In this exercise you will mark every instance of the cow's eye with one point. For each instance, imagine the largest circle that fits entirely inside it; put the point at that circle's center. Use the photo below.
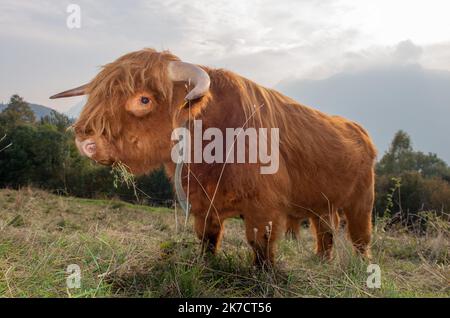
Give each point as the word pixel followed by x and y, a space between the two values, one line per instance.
pixel 145 100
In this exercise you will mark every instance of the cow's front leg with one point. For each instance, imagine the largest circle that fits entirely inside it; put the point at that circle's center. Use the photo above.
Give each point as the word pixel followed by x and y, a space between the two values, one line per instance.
pixel 210 231
pixel 262 235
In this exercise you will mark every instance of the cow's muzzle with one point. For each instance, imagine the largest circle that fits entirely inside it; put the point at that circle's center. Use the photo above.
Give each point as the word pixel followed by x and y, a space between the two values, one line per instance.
pixel 86 147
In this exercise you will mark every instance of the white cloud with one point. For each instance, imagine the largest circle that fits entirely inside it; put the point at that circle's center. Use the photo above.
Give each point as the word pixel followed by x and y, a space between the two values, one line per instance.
pixel 388 22
pixel 267 41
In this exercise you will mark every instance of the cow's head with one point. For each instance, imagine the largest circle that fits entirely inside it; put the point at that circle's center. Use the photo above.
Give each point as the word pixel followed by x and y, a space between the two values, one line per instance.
pixel 133 105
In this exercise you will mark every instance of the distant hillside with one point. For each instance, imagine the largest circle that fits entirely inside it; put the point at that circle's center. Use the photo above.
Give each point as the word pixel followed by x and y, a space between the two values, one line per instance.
pixel 385 100
pixel 39 110
pixel 75 110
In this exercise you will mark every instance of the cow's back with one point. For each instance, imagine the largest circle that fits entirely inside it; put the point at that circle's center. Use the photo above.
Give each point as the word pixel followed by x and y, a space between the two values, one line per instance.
pixel 322 157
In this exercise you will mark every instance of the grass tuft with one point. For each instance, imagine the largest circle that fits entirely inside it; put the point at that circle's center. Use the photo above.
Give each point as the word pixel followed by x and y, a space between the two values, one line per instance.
pixel 126 250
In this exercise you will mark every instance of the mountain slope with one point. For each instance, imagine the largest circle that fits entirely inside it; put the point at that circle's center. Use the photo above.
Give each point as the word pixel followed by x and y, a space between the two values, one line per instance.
pixel 76 109
pixel 39 110
pixel 384 101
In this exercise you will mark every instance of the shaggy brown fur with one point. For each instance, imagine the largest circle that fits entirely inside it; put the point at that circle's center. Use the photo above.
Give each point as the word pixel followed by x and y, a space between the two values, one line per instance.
pixel 326 162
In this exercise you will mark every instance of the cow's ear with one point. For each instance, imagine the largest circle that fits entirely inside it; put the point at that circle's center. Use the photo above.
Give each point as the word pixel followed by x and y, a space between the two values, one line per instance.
pixel 140 104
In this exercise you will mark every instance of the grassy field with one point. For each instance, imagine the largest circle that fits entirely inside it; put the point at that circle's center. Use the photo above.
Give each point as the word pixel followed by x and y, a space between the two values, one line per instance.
pixel 125 250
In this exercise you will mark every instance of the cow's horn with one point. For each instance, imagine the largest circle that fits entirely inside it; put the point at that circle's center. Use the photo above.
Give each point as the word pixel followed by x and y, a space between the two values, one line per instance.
pixel 71 92
pixel 186 72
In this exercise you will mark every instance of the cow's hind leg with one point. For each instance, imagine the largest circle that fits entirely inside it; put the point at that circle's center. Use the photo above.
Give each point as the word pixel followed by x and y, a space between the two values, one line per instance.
pixel 209 231
pixel 293 227
pixel 323 228
pixel 359 223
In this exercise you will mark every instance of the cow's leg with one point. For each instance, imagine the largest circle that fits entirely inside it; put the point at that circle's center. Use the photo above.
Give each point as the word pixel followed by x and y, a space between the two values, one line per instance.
pixel 359 223
pixel 262 234
pixel 293 227
pixel 323 230
pixel 210 231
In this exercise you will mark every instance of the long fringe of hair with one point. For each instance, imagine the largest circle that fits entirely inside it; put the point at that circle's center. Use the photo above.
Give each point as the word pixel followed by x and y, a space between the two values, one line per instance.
pixel 119 80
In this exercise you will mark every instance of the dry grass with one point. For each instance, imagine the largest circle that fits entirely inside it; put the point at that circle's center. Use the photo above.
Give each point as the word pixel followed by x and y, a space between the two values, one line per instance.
pixel 125 250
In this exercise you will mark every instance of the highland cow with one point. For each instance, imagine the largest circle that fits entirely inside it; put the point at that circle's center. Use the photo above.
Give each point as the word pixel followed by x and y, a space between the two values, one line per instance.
pixel 326 163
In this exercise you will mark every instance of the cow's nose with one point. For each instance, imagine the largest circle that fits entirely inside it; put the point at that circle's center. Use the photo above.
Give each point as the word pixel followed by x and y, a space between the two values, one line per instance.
pixel 86 147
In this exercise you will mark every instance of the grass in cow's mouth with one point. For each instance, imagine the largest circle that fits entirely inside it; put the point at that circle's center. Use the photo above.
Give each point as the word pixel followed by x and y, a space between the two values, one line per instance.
pixel 127 250
pixel 123 176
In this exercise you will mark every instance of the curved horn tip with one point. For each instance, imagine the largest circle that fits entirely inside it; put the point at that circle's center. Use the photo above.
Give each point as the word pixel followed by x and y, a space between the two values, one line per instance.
pixel 78 91
pixel 182 71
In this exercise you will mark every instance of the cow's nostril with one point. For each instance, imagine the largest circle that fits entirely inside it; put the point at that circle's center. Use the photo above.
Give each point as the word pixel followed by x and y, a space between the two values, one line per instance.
pixel 89 148
pixel 86 147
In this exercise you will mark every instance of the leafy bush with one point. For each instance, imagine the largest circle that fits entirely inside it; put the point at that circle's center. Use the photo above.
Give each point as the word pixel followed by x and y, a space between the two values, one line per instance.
pixel 409 182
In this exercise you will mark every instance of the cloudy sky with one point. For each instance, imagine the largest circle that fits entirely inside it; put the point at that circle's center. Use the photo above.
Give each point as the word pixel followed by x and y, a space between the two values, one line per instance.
pixel 297 46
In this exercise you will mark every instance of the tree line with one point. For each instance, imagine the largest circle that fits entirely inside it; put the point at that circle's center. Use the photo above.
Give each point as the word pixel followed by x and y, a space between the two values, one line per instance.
pixel 410 183
pixel 42 153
